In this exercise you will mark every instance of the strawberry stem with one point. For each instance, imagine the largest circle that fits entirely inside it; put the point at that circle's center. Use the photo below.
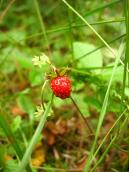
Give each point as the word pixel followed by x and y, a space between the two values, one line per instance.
pixel 42 91
pixel 85 120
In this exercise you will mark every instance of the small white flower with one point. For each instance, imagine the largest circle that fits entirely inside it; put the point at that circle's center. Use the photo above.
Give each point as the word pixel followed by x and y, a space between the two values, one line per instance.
pixel 40 111
pixel 40 60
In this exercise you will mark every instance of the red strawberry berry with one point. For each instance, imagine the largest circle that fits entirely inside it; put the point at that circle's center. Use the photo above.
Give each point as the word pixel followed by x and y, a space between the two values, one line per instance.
pixel 61 86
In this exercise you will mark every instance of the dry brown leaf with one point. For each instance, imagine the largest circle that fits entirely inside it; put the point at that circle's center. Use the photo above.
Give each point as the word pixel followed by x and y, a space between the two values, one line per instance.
pixel 38 157
pixel 52 130
pixel 50 138
pixel 60 127
pixel 51 127
pixel 123 157
pixel 7 157
pixel 17 111
pixel 81 164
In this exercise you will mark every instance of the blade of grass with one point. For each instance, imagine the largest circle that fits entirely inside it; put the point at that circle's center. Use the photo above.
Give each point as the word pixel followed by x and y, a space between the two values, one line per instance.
pixel 70 32
pixel 85 120
pixel 66 28
pixel 6 10
pixel 110 130
pixel 98 9
pixel 116 122
pixel 103 110
pixel 35 138
pixel 41 22
pixel 86 71
pixel 76 60
pixel 1 2
pixel 104 153
pixel 11 137
pixel 85 21
pixel 54 169
pixel 126 60
pixel 102 7
pixel 95 32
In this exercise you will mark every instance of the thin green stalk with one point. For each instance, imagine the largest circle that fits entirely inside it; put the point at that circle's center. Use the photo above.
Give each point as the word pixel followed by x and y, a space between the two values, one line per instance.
pixel 1 3
pixel 101 7
pixel 70 32
pixel 76 60
pixel 11 137
pixel 41 22
pixel 86 71
pixel 104 153
pixel 42 91
pixel 110 130
pixel 85 21
pixel 116 137
pixel 6 10
pixel 126 60
pixel 95 32
pixel 103 111
pixel 34 140
pixel 85 120
pixel 66 28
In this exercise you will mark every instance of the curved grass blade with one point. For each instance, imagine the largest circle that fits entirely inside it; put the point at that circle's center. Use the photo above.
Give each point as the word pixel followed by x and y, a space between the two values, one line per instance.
pixel 103 110
pixel 101 7
pixel 110 130
pixel 35 138
pixel 92 28
pixel 126 60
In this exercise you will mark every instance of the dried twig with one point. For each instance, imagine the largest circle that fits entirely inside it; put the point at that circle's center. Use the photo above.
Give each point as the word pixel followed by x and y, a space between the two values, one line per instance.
pixel 6 10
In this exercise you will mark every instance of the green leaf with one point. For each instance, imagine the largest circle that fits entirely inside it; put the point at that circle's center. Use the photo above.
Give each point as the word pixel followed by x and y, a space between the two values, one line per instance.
pixel 118 76
pixel 11 56
pixel 16 35
pixel 80 101
pixel 93 102
pixel 16 123
pixel 35 77
pixel 11 166
pixel 93 60
pixel 26 104
pixel 22 58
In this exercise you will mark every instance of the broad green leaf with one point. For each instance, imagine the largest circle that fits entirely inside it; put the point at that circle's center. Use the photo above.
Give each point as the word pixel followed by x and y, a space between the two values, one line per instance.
pixel 16 123
pixel 11 166
pixel 17 36
pixel 35 77
pixel 93 60
pixel 91 101
pixel 26 104
pixel 80 101
pixel 10 57
pixel 22 58
pixel 118 76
